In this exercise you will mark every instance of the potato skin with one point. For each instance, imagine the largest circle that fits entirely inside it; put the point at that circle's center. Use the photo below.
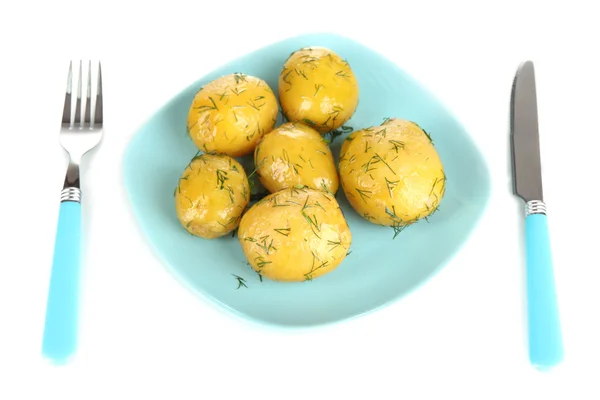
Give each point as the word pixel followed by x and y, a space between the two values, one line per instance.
pixel 231 113
pixel 294 235
pixel 318 88
pixel 295 154
pixel 212 193
pixel 391 174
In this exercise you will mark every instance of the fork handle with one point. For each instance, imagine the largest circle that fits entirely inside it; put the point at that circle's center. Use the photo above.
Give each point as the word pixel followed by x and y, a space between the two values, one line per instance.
pixel 60 329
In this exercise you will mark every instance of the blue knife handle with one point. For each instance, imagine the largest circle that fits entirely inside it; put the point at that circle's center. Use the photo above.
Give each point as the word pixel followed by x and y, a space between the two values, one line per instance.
pixel 60 329
pixel 545 337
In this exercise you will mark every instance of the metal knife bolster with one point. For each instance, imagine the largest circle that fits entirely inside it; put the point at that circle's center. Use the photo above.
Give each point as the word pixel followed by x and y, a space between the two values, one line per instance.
pixel 535 207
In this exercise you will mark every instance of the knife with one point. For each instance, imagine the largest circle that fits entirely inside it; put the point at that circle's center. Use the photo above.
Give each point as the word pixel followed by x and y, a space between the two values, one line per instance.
pixel 544 332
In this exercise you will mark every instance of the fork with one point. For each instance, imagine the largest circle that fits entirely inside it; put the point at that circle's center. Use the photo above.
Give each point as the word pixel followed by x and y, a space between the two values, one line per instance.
pixel 77 137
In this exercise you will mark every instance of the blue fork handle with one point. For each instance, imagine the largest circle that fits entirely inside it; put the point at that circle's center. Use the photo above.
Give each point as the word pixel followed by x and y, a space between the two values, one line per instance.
pixel 545 337
pixel 60 329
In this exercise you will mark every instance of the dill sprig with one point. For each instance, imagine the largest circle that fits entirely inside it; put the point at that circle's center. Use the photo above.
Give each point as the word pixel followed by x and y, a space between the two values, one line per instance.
pixel 230 221
pixel 317 88
pixel 265 245
pixel 343 74
pixel 364 194
pixel 391 185
pixel 313 223
pixel 427 134
pixel 286 76
pixel 398 228
pixel 368 166
pixel 397 224
pixel 239 77
pixel 255 103
pixel 213 103
pixel 206 107
pixel 309 122
pixel 300 73
pixel 221 178
pixel 396 145
pixel 324 187
pixel 308 205
pixel 334 244
pixel 238 91
pixel 283 231
pixel 294 166
pixel 261 262
pixel 197 156
pixel 241 281
pixel 329 137
pixel 224 95
pixel 392 213
pixel 314 267
pixel 189 128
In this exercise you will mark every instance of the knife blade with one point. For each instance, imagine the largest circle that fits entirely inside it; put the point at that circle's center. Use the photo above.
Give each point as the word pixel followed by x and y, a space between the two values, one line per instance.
pixel 544 331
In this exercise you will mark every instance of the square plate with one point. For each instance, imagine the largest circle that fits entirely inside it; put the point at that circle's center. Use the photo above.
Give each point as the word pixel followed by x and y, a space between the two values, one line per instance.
pixel 379 269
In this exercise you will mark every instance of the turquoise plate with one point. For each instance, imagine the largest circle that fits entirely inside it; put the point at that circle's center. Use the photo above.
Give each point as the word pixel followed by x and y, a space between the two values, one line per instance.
pixel 379 269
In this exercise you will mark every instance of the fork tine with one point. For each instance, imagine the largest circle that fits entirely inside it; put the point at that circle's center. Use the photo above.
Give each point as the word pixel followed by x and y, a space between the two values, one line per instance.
pixel 66 119
pixel 78 103
pixel 88 107
pixel 98 117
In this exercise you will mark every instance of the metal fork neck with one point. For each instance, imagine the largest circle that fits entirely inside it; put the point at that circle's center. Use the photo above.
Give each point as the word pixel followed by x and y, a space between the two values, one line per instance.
pixel 71 188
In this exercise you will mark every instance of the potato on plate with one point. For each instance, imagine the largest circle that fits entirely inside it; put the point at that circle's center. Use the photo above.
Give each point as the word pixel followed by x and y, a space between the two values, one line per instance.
pixel 317 87
pixel 212 193
pixel 392 174
pixel 295 154
pixel 296 234
pixel 231 113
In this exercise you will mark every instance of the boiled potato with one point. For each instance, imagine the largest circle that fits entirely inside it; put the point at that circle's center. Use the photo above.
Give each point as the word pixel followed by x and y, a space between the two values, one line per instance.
pixel 318 88
pixel 296 234
pixel 295 154
pixel 230 114
pixel 211 195
pixel 392 174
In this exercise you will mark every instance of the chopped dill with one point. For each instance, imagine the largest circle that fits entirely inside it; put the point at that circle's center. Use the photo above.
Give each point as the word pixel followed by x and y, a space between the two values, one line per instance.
pixel 397 145
pixel 309 122
pixel 283 231
pixel 364 194
pixel 391 185
pixel 221 178
pixel 317 88
pixel 239 77
pixel 398 227
pixel 240 281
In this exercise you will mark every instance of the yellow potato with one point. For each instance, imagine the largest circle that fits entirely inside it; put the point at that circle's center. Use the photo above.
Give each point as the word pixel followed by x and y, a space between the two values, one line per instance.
pixel 230 114
pixel 392 174
pixel 318 88
pixel 296 234
pixel 211 195
pixel 295 154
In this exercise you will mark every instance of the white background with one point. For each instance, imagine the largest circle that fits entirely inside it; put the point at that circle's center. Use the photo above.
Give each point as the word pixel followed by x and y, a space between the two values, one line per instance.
pixel 462 335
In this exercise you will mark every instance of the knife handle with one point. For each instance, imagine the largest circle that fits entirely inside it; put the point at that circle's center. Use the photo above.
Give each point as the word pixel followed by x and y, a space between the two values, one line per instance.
pixel 545 337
